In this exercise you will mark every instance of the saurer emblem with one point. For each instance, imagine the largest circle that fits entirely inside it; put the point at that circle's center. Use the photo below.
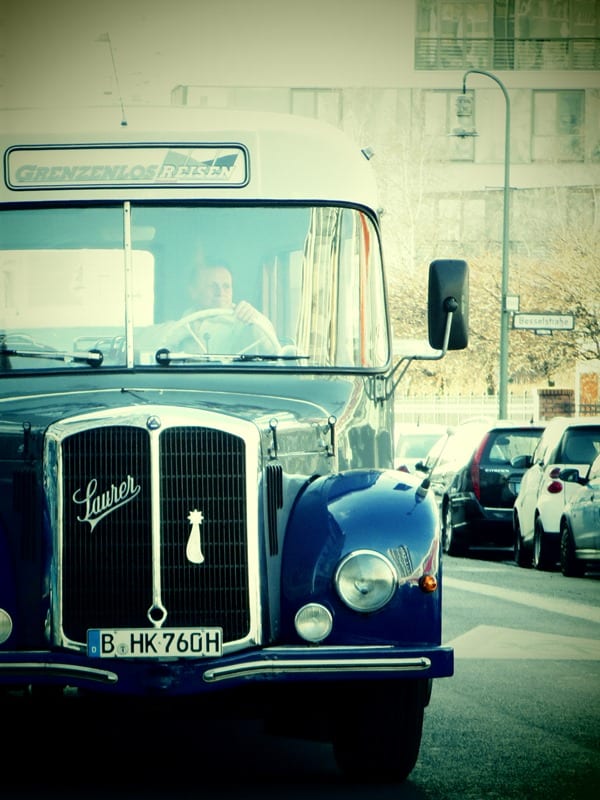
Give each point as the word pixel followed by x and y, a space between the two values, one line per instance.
pixel 98 504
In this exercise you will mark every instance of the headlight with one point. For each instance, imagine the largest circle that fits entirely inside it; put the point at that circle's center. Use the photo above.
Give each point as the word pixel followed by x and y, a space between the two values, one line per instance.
pixel 313 622
pixel 6 625
pixel 366 580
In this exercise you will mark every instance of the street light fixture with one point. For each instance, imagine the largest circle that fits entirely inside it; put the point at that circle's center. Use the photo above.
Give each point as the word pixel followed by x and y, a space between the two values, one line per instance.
pixel 504 312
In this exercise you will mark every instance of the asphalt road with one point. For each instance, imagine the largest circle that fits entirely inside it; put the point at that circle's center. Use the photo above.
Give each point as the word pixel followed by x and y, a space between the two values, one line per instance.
pixel 520 718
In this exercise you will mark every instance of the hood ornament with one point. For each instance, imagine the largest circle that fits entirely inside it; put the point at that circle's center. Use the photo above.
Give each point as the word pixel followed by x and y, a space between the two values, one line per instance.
pixel 194 546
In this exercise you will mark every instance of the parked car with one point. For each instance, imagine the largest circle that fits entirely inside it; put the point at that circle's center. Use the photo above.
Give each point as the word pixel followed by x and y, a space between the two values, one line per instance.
pixel 474 472
pixel 414 442
pixel 566 442
pixel 580 521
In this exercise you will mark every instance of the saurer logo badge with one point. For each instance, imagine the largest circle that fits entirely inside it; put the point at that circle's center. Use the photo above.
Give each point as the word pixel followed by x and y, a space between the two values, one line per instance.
pixel 98 505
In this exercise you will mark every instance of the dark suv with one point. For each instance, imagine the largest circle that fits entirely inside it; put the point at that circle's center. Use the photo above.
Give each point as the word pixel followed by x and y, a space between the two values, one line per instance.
pixel 475 471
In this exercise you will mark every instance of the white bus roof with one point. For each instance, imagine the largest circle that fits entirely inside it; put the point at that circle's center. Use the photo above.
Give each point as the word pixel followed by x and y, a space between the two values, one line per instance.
pixel 285 157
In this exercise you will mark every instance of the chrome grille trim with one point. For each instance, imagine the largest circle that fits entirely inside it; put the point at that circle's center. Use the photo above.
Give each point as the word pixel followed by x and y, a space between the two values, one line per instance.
pixel 314 666
pixel 117 568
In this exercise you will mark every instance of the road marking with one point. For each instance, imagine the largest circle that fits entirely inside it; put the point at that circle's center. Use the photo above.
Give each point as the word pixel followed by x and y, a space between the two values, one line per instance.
pixel 556 606
pixel 489 641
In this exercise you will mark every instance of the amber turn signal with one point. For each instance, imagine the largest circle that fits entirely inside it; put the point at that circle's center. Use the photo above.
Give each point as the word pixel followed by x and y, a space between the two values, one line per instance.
pixel 428 583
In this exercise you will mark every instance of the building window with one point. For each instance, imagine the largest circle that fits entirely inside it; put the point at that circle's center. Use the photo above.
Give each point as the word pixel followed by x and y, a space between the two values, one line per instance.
pixel 504 34
pixel 507 34
pixel 452 34
pixel 558 118
pixel 323 104
pixel 460 219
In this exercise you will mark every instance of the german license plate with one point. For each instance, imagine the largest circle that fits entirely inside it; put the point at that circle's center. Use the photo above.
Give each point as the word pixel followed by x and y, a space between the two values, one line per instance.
pixel 154 642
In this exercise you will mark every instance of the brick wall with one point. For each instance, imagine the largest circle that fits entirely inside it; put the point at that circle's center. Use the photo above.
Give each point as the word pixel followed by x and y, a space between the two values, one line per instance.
pixel 556 403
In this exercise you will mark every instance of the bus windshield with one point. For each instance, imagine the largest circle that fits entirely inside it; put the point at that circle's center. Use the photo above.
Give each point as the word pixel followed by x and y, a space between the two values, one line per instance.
pixel 120 284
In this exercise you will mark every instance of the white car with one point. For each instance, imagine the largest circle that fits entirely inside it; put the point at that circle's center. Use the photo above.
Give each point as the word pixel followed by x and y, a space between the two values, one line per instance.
pixel 566 442
pixel 580 523
pixel 414 442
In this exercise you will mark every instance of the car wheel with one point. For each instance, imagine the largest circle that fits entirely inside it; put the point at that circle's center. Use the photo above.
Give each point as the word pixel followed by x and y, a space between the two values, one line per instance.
pixel 377 735
pixel 541 554
pixel 452 543
pixel 522 553
pixel 569 564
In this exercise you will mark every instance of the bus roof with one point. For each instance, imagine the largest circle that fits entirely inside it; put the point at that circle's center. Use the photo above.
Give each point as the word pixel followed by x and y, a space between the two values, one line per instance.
pixel 282 156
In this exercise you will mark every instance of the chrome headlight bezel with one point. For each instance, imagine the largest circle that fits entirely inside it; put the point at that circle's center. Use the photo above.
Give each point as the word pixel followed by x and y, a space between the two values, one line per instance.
pixel 6 625
pixel 366 580
pixel 313 622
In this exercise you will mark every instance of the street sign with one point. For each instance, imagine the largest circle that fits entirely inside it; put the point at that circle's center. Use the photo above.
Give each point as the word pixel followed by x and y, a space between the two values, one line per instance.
pixel 548 322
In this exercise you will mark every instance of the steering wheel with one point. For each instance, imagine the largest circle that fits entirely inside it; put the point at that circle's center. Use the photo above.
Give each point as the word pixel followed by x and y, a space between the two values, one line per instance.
pixel 258 332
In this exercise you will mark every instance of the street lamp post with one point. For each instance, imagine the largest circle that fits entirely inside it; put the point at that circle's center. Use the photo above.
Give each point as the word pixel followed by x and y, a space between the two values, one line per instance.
pixel 503 378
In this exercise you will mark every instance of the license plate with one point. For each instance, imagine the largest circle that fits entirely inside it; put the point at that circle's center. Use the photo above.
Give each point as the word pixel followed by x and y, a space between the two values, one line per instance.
pixel 155 642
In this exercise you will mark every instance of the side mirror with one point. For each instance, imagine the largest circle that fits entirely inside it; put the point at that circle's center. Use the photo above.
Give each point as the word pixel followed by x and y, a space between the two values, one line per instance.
pixel 570 475
pixel 448 292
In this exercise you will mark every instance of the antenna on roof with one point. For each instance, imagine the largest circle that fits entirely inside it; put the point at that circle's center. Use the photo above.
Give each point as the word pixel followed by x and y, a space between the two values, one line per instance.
pixel 105 37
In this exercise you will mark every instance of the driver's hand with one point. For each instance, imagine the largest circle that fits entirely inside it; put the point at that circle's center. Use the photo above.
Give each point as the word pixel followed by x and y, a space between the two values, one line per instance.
pixel 245 312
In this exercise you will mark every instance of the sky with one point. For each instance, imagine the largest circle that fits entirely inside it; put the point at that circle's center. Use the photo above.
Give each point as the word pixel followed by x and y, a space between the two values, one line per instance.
pixel 85 52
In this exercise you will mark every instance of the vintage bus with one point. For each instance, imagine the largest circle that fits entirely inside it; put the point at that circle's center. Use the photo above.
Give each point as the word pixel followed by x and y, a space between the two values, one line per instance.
pixel 200 501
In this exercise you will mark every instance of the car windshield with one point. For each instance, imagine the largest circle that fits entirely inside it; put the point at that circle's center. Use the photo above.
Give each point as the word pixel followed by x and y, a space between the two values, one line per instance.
pixel 507 445
pixel 113 285
pixel 413 445
pixel 579 445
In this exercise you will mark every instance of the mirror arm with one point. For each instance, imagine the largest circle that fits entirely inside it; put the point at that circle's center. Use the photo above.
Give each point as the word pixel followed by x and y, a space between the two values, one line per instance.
pixel 450 306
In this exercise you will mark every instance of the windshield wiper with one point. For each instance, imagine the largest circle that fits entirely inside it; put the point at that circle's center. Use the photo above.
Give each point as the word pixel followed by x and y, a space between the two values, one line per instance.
pixel 92 357
pixel 164 356
pixel 269 357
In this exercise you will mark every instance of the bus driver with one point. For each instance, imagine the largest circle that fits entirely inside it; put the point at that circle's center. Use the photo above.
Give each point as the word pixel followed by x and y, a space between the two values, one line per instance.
pixel 214 324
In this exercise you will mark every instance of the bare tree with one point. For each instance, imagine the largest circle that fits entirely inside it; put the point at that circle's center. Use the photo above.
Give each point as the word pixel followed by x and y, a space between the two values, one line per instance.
pixel 566 280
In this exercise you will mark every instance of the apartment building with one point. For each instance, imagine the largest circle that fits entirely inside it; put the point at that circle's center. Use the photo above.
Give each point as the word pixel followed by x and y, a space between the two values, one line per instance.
pixel 441 154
